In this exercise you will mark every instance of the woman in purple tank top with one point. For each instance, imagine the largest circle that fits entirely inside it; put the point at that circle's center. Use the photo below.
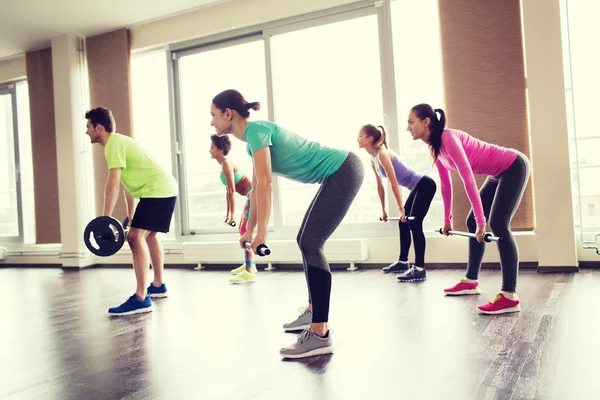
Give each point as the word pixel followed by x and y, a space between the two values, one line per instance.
pixel 386 163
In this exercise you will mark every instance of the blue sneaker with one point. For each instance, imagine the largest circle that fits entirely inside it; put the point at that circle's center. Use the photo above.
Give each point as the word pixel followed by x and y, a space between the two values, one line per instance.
pixel 158 292
pixel 133 305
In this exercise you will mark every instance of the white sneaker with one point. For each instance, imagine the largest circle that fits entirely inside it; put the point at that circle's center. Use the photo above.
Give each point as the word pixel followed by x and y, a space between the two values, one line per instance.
pixel 241 268
pixel 243 277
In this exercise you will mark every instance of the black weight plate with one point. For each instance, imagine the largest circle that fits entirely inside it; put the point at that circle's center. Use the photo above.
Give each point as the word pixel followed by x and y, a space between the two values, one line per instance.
pixel 107 243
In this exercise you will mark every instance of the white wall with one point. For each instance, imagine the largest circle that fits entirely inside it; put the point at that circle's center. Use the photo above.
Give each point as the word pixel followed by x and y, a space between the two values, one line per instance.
pixel 223 17
pixel 12 68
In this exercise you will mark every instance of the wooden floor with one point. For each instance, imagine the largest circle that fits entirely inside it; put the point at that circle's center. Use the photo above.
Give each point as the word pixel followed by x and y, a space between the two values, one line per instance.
pixel 210 340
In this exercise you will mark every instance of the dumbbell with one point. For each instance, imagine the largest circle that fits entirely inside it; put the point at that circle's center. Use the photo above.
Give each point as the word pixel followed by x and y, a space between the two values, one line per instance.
pixel 488 237
pixel 398 218
pixel 262 249
pixel 109 235
pixel 231 223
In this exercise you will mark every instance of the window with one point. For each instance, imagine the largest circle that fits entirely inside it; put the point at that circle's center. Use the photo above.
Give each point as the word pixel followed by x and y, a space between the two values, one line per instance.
pixel 418 74
pixel 17 222
pixel 582 86
pixel 150 92
pixel 150 106
pixel 323 77
pixel 26 161
pixel 203 74
pixel 9 209
pixel 327 96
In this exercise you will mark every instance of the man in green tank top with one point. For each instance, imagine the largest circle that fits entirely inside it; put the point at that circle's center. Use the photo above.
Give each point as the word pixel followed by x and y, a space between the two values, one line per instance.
pixel 156 189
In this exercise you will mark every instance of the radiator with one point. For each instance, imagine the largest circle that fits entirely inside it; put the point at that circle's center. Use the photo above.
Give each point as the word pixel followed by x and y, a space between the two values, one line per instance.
pixel 282 251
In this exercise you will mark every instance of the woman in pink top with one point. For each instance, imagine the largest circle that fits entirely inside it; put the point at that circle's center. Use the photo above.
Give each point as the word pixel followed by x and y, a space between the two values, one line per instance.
pixel 495 202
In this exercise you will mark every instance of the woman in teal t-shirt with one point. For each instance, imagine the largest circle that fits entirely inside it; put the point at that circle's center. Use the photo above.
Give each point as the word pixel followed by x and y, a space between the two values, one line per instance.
pixel 275 150
pixel 236 181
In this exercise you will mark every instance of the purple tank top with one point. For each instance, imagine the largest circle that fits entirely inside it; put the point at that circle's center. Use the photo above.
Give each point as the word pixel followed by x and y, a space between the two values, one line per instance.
pixel 405 176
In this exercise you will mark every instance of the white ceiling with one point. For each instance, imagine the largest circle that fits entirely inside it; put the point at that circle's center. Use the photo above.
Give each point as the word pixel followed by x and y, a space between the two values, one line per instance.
pixel 31 24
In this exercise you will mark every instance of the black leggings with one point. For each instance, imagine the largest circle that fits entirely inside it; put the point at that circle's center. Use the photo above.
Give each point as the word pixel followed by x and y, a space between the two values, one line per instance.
pixel 417 205
pixel 500 197
pixel 325 213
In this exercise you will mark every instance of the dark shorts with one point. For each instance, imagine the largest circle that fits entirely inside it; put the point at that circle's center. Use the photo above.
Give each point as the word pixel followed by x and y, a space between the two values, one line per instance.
pixel 154 214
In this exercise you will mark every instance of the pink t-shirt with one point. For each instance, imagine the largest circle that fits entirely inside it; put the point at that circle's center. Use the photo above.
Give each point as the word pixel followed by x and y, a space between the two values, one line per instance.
pixel 461 152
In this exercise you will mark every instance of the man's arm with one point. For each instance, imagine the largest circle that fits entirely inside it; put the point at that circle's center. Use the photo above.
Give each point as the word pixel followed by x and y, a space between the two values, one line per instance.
pixel 111 190
pixel 130 204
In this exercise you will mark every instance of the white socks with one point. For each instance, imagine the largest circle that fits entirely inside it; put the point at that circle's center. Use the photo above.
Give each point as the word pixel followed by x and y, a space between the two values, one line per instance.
pixel 510 296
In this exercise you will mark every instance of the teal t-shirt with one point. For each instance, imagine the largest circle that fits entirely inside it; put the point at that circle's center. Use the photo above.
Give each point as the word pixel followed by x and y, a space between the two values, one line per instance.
pixel 141 175
pixel 293 156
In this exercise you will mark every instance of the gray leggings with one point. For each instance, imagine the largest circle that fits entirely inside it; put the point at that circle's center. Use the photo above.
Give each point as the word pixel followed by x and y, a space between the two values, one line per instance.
pixel 501 197
pixel 325 213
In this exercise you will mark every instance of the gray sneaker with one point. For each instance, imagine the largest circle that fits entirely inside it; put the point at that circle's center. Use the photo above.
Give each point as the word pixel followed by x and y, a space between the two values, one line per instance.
pixel 308 344
pixel 301 323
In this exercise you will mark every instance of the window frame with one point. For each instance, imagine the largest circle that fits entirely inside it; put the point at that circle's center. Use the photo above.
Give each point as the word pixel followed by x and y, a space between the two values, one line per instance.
pixel 10 88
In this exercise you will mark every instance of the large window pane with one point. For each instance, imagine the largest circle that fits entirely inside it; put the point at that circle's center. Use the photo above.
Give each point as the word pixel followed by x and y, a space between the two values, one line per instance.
pixel 327 85
pixel 419 79
pixel 151 120
pixel 9 213
pixel 150 92
pixel 25 162
pixel 582 86
pixel 201 77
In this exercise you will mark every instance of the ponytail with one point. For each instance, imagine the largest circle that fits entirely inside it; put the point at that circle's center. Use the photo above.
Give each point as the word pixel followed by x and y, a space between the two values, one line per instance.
pixel 255 105
pixel 437 126
pixel 377 133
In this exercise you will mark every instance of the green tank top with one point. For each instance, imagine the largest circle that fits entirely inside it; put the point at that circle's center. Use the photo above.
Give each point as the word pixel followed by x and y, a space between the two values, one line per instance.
pixel 237 176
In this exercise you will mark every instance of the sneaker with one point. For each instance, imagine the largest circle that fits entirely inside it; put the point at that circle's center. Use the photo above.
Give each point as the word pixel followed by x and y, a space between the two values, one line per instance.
pixel 241 268
pixel 412 275
pixel 157 292
pixel 308 344
pixel 396 267
pixel 243 277
pixel 133 305
pixel 463 287
pixel 301 323
pixel 500 305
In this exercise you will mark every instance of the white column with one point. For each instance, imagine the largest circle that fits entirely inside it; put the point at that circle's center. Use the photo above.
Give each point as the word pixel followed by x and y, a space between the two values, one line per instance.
pixel 554 225
pixel 73 151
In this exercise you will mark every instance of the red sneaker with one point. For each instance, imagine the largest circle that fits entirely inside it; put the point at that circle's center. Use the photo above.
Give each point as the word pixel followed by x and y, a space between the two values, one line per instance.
pixel 500 305
pixel 463 287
